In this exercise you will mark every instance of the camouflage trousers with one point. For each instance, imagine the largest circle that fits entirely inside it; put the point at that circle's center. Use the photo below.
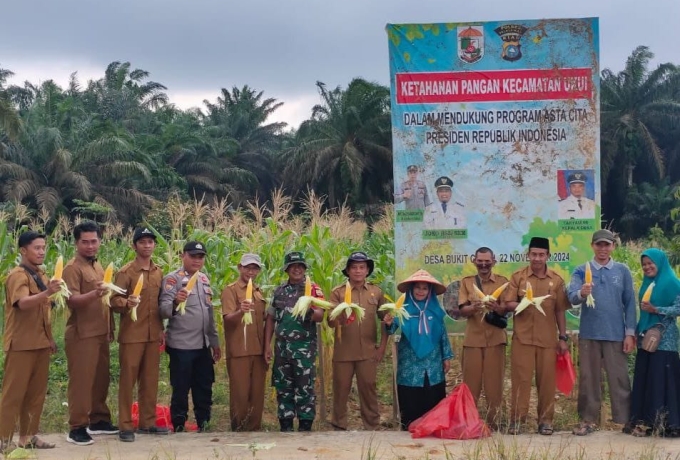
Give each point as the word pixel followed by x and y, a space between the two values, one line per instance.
pixel 293 380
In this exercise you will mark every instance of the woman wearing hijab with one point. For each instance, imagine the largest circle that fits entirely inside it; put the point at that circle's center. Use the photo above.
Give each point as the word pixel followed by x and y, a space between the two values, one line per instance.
pixel 655 400
pixel 424 351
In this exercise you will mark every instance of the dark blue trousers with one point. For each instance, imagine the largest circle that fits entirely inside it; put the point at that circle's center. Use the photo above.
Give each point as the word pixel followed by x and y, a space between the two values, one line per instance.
pixel 191 370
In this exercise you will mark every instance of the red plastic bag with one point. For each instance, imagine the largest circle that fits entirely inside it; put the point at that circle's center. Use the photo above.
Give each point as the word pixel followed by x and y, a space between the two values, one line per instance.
pixel 565 375
pixel 163 419
pixel 455 417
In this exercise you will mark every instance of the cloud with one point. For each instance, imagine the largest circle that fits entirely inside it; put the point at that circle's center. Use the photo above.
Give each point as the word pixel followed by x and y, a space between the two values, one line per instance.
pixel 282 47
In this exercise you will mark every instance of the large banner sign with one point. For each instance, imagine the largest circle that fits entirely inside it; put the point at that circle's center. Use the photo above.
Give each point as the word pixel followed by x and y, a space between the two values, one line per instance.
pixel 496 139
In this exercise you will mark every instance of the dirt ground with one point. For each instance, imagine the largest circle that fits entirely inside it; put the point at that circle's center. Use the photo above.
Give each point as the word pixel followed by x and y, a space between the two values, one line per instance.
pixel 355 445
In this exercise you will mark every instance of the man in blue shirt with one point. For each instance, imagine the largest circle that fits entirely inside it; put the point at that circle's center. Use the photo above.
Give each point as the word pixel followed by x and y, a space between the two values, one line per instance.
pixel 607 333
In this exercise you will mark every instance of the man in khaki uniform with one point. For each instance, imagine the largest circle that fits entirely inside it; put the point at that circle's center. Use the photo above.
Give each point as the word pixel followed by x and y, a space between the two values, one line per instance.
pixel 484 343
pixel 246 365
pixel 89 330
pixel 356 350
pixel 535 337
pixel 139 340
pixel 28 343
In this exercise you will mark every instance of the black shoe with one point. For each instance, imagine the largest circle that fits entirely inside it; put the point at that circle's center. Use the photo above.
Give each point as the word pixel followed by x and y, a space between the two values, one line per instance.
pixel 178 428
pixel 126 436
pixel 305 425
pixel 154 430
pixel 79 437
pixel 286 424
pixel 102 428
pixel 203 427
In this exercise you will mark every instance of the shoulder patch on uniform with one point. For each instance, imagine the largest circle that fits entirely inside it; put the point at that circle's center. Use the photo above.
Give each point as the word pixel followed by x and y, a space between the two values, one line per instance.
pixel 204 279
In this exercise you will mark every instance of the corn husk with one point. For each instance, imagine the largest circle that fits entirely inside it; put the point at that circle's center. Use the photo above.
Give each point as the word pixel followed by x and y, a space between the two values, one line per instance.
pixel 61 296
pixel 109 286
pixel 182 307
pixel 590 300
pixel 529 299
pixel 136 293
pixel 396 309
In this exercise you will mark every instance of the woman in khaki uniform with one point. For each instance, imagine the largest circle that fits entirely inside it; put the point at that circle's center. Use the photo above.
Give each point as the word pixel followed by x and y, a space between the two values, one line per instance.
pixel 28 344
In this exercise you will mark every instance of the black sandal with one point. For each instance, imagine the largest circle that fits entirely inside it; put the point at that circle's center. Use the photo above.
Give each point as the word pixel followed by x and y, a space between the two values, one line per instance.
pixel 545 429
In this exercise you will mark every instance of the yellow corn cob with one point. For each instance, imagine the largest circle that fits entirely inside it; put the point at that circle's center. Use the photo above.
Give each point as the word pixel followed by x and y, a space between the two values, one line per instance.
pixel 308 286
pixel 108 274
pixel 348 293
pixel 109 286
pixel 497 293
pixel 59 298
pixel 590 301
pixel 58 269
pixel 529 292
pixel 136 293
pixel 181 308
pixel 247 316
pixel 648 293
pixel 400 302
pixel 397 309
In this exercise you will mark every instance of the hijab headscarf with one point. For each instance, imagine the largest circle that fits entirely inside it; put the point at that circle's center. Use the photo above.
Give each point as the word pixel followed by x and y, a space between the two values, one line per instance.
pixel 666 288
pixel 425 326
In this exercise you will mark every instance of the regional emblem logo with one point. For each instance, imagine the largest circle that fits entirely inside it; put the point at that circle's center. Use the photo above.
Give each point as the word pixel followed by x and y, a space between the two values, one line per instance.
pixel 511 35
pixel 470 43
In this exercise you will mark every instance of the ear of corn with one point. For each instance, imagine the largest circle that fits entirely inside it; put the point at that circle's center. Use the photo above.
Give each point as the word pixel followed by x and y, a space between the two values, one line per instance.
pixel 478 293
pixel 182 307
pixel 590 300
pixel 58 269
pixel 247 318
pixel 397 309
pixel 648 293
pixel 249 290
pixel 348 293
pixel 308 286
pixel 497 293
pixel 136 293
pixel 59 298
pixel 529 299
pixel 109 286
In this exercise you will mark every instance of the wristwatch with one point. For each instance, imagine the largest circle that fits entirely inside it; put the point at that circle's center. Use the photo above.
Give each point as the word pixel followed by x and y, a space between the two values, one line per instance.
pixel 564 338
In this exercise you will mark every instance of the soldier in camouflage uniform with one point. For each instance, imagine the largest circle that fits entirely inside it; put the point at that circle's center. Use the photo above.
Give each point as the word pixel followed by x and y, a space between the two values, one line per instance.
pixel 294 369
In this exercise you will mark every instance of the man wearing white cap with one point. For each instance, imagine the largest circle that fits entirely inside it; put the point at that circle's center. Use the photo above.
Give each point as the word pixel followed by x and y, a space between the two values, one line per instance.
pixel 444 214
pixel 246 365
pixel 576 205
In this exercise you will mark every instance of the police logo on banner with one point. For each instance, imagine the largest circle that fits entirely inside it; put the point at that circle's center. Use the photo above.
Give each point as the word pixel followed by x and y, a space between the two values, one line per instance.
pixel 511 35
pixel 470 43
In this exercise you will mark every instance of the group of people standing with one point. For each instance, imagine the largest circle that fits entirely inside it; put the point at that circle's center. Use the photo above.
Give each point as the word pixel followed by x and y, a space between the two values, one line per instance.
pixel 183 300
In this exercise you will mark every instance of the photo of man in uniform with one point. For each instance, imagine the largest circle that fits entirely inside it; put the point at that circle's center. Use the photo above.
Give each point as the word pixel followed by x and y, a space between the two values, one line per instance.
pixel 444 213
pixel 413 192
pixel 577 205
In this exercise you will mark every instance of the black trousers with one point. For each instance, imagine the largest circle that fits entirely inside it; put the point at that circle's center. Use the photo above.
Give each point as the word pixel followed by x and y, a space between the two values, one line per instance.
pixel 414 402
pixel 191 370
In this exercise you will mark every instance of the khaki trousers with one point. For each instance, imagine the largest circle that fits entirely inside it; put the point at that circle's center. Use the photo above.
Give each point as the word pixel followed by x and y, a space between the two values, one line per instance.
pixel 366 372
pixel 246 392
pixel 139 364
pixel 524 361
pixel 593 355
pixel 88 380
pixel 23 392
pixel 484 368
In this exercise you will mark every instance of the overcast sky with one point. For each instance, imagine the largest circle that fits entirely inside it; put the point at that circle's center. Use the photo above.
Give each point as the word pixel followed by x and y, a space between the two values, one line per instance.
pixel 196 47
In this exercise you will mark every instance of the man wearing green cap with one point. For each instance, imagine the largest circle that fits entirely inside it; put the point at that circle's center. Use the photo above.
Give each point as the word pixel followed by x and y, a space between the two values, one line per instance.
pixel 293 373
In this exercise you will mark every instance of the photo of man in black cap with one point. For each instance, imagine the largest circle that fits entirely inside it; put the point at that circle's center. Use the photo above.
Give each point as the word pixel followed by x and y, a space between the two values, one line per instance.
pixel 413 192
pixel 445 213
pixel 577 205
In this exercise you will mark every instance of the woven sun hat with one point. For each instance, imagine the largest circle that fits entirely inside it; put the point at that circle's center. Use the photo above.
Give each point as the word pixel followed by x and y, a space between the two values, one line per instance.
pixel 424 277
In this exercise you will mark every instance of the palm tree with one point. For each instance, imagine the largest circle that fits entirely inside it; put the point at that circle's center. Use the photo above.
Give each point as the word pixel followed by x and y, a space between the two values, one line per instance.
pixel 10 122
pixel 344 150
pixel 637 107
pixel 648 205
pixel 237 126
